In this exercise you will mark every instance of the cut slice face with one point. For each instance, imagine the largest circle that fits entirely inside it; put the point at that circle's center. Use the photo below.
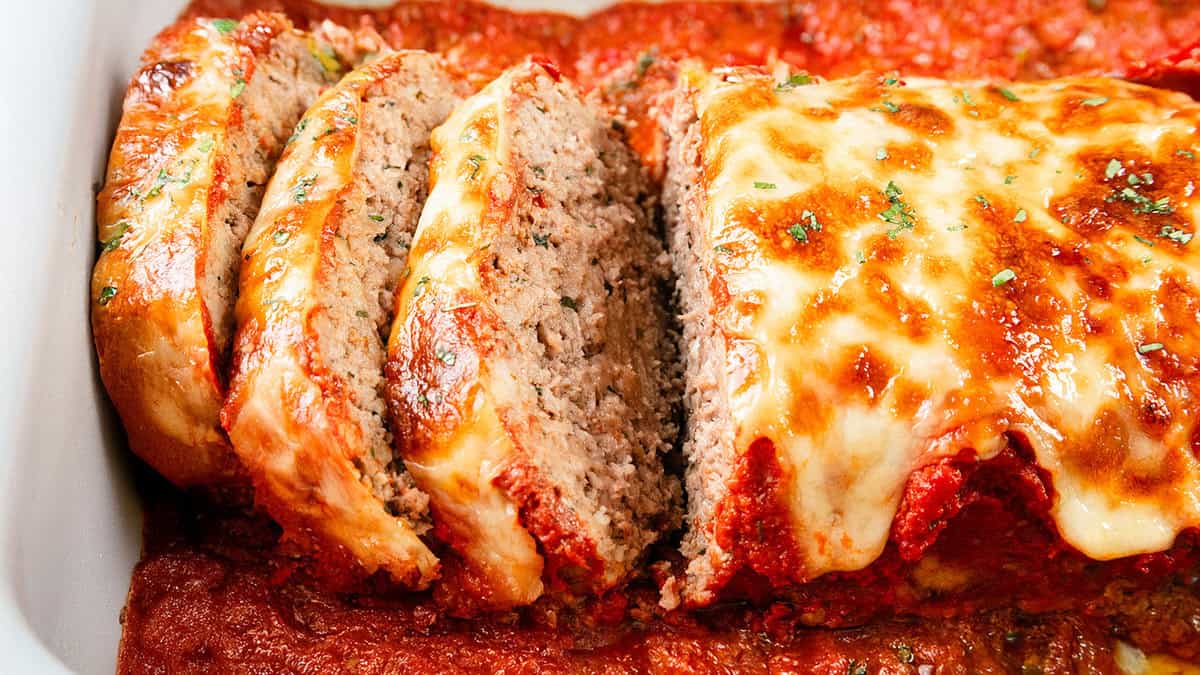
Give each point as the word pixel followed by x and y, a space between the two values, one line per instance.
pixel 204 121
pixel 530 366
pixel 305 411
pixel 981 269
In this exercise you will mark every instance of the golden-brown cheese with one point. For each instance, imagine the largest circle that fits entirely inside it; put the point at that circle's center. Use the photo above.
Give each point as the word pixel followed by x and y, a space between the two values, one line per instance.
pixel 1028 274
pixel 287 414
pixel 154 335
pixel 457 461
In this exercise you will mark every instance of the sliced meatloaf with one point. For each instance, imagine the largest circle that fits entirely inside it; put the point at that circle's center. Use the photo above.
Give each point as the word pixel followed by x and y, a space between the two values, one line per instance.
pixel 530 374
pixel 305 411
pixel 204 121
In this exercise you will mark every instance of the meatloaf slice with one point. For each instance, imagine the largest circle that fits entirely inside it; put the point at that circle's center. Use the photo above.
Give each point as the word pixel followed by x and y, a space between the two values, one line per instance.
pixel 305 411
pixel 530 375
pixel 204 120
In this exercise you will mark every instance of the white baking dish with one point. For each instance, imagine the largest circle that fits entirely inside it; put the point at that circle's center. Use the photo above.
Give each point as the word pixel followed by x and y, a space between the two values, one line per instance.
pixel 70 525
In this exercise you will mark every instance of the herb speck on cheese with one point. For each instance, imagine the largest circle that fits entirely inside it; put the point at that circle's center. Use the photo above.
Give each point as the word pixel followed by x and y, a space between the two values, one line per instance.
pixel 1175 234
pixel 1185 153
pixel 1008 180
pixel 238 87
pixel 1113 169
pixel 119 230
pixel 476 162
pixel 445 356
pixel 760 185
pixel 1020 217
pixel 1143 241
pixel 1003 277
pixel 568 302
pixel 797 80
pixel 1095 102
pixel 881 154
pixel 300 192
pixel 982 201
pixel 106 294
pixel 1007 94
pixel 1151 347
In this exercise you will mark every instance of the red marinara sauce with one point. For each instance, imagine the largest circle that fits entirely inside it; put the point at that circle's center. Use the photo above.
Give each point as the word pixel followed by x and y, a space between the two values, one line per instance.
pixel 214 592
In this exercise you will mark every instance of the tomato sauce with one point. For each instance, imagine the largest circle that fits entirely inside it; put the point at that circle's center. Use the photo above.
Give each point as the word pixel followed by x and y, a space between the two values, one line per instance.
pixel 214 592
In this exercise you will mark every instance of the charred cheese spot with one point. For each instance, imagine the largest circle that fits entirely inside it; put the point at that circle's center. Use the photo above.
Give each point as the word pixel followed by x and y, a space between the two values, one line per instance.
pixel 989 275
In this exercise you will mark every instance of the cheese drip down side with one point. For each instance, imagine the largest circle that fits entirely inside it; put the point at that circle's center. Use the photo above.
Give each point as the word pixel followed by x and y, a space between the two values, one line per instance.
pixel 904 269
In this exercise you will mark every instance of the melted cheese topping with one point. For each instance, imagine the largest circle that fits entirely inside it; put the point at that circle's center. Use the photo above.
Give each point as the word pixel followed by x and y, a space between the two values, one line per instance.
pixel 913 268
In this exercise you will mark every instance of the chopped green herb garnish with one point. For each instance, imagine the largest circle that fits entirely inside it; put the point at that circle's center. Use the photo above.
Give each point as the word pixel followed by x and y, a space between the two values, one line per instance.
pixel 1008 180
pixel 376 217
pixel 542 240
pixel 1020 217
pixel 759 185
pixel 1003 277
pixel 856 668
pixel 119 231
pixel 299 130
pixel 1007 94
pixel 476 164
pixel 891 81
pixel 300 192
pixel 719 248
pixel 1175 234
pixel 107 293
pixel 445 356
pixel 1034 153
pixel 967 98
pixel 1152 347
pixel 798 233
pixel 538 171
pixel 568 302
pixel 890 107
pixel 957 228
pixel 281 236
pixel 1143 241
pixel 420 287
pixel 362 314
pixel 224 26
pixel 238 87
pixel 904 653
pixel 797 80
pixel 1095 102
pixel 881 154
pixel 897 213
pixel 860 257
pixel 1185 153
pixel 1142 203
pixel 205 145
pixel 982 200
pixel 1113 168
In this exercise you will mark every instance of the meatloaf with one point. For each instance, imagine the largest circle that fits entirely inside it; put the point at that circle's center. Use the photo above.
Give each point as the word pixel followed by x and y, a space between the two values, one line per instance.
pixel 530 370
pixel 204 120
pixel 305 412
pixel 987 272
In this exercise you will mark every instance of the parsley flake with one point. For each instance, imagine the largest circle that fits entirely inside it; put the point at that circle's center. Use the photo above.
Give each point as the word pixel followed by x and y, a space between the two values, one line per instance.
pixel 881 154
pixel 376 217
pixel 982 201
pixel 798 233
pixel 476 162
pixel 1021 216
pixel 281 237
pixel 1113 169
pixel 1003 277
pixel 904 653
pixel 1175 234
pixel 898 213
pixel 1095 102
pixel 1143 241
pixel 1006 93
pixel 760 185
pixel 890 107
pixel 420 287
pixel 224 26
pixel 122 226
pixel 1008 180
pixel 542 240
pixel 568 302
pixel 1151 347
pixel 106 294
pixel 797 80
pixel 1185 153
pixel 238 87
pixel 445 356
pixel 300 192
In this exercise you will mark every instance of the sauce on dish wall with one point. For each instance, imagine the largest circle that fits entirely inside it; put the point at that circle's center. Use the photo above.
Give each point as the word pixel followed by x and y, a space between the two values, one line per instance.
pixel 214 592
